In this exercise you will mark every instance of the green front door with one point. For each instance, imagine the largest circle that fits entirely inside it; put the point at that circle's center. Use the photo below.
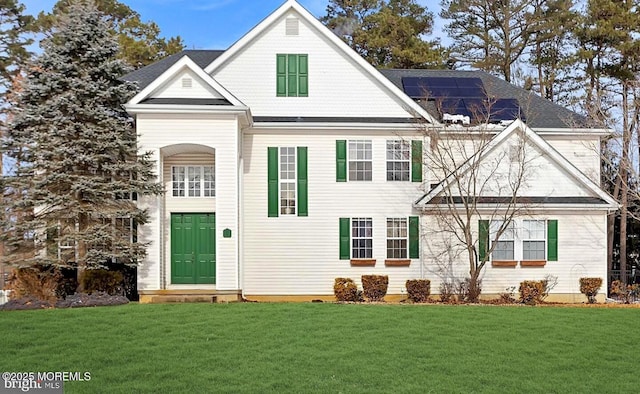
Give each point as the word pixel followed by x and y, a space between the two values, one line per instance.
pixel 193 248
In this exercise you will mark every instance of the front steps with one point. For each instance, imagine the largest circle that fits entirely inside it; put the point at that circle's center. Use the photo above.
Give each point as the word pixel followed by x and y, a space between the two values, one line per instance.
pixel 188 296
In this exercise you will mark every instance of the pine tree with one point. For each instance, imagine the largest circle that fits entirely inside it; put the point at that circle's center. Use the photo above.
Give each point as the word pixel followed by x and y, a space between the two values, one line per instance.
pixel 140 42
pixel 388 33
pixel 489 35
pixel 14 39
pixel 79 170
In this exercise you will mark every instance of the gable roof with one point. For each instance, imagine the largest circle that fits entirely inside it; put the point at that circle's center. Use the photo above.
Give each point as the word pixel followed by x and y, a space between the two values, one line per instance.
pixel 602 198
pixel 292 5
pixel 540 112
pixel 225 99
pixel 146 75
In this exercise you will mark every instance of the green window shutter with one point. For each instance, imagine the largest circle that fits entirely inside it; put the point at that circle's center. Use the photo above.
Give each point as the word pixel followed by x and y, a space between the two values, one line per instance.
pixel 341 160
pixel 303 193
pixel 552 240
pixel 272 176
pixel 281 75
pixel 292 75
pixel 483 240
pixel 345 240
pixel 414 237
pixel 303 75
pixel 416 161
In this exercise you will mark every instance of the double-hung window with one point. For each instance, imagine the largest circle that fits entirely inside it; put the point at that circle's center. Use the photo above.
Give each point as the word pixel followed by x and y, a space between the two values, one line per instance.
pixel 193 181
pixel 398 160
pixel 362 238
pixel 287 192
pixel 288 181
pixel 292 75
pixel 360 160
pixel 397 238
pixel 534 240
pixel 504 245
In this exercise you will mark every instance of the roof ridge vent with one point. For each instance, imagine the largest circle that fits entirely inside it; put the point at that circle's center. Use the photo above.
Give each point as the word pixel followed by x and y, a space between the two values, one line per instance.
pixel 292 26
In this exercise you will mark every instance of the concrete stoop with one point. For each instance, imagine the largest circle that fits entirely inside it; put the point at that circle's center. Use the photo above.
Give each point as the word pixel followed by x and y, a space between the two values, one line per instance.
pixel 188 296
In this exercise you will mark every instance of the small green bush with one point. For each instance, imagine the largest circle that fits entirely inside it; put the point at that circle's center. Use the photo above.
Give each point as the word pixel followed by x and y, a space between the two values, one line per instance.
pixel 110 282
pixel 346 290
pixel 418 290
pixel 532 292
pixel 375 287
pixel 590 287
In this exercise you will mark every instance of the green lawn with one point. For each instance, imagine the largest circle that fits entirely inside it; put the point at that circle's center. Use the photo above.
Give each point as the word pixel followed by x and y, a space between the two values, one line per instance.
pixel 328 348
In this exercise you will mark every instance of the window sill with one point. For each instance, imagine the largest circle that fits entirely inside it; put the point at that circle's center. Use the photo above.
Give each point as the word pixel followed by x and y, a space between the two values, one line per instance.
pixel 533 263
pixel 397 263
pixel 363 262
pixel 504 263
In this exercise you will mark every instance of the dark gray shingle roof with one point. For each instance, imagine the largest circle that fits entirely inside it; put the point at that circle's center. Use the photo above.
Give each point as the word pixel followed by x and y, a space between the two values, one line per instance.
pixel 540 113
pixel 146 75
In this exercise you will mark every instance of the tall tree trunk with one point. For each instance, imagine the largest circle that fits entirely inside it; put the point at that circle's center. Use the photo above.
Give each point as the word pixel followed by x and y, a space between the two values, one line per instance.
pixel 3 213
pixel 611 228
pixel 624 174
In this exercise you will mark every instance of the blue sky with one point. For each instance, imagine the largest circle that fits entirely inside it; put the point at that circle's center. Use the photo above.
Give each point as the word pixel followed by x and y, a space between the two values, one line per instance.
pixel 206 24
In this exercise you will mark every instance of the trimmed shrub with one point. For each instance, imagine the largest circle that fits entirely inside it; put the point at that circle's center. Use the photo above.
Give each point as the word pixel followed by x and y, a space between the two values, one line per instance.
pixel 346 290
pixel 590 287
pixel 532 292
pixel 38 282
pixel 375 287
pixel 110 282
pixel 418 290
pixel 624 293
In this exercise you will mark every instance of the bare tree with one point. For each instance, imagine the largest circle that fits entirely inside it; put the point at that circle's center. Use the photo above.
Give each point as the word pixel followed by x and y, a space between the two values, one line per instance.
pixel 483 172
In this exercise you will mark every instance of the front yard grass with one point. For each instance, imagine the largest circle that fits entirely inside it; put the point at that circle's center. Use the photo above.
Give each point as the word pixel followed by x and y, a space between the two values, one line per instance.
pixel 328 348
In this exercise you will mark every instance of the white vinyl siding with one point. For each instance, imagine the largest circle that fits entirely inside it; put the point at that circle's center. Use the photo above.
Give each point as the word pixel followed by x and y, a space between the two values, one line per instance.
pixel 312 265
pixel 183 140
pixel 338 86
pixel 178 87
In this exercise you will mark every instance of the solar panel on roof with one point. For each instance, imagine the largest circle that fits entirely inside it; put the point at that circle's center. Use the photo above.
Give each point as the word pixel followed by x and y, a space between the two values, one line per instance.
pixel 453 106
pixel 505 109
pixel 461 96
pixel 469 83
pixel 441 82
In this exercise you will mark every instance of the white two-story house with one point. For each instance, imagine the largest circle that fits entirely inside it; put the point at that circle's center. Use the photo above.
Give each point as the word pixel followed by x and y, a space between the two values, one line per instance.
pixel 289 161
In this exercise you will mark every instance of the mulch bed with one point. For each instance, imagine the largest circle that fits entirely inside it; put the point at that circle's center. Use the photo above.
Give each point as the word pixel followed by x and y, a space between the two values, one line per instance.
pixel 73 301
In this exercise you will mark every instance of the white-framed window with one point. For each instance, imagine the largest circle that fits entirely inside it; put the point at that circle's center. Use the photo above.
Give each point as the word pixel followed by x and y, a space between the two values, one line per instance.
pixel 193 181
pixel 504 246
pixel 288 181
pixel 534 239
pixel 360 160
pixel 398 160
pixel 362 238
pixel 397 238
